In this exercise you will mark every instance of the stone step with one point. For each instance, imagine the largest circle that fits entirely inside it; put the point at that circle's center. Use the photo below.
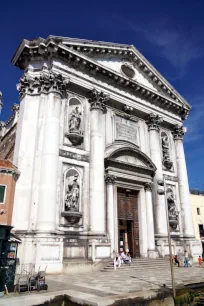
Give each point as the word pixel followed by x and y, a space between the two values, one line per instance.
pixel 133 264
pixel 140 265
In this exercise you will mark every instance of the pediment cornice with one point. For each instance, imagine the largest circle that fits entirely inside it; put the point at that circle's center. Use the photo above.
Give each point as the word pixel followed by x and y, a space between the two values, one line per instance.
pixel 55 47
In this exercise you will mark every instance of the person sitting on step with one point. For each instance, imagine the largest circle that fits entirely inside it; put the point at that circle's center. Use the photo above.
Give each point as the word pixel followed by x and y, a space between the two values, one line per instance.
pixel 127 259
pixel 123 256
pixel 116 262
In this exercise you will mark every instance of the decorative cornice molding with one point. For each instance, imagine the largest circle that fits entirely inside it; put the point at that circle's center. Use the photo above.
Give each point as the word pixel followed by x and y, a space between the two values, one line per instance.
pixel 98 100
pixel 128 108
pixel 178 132
pixel 12 172
pixel 44 83
pixel 110 179
pixel 15 108
pixel 78 54
pixel 148 187
pixel 154 122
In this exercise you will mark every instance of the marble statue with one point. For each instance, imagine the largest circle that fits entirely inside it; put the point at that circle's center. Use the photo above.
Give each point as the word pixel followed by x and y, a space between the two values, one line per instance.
pixel 75 120
pixel 165 150
pixel 72 195
pixel 173 212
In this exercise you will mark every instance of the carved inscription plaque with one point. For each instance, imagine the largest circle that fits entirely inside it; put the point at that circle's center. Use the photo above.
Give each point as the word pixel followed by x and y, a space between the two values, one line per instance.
pixel 126 129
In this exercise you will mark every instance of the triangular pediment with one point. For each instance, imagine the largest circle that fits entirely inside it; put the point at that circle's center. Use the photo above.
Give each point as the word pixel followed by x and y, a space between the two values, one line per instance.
pixel 117 64
pixel 104 61
pixel 113 55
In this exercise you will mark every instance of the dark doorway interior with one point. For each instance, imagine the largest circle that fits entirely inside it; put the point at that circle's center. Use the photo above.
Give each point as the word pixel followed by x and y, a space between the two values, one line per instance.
pixel 128 223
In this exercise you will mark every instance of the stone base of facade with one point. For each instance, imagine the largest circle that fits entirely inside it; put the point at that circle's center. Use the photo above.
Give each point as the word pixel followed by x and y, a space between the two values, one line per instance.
pixel 40 251
pixel 67 253
pixel 180 244
pixel 153 254
pixel 54 252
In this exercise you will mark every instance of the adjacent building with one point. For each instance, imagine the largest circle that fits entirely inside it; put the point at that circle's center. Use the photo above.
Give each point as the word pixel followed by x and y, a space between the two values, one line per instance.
pixel 197 201
pixel 99 144
pixel 8 172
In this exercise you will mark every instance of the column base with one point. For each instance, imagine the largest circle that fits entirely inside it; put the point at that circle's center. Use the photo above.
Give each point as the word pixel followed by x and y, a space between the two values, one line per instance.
pixel 153 254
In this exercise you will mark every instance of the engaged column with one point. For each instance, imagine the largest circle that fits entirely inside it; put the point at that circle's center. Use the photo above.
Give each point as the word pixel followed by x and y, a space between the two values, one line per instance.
pixel 97 201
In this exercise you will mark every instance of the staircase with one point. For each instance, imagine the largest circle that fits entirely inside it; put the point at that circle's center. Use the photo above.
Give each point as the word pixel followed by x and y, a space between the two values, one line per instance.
pixel 141 264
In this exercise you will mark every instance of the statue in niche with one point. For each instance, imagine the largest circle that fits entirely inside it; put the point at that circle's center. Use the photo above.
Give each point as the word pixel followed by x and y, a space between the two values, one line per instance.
pixel 72 195
pixel 75 120
pixel 173 212
pixel 165 150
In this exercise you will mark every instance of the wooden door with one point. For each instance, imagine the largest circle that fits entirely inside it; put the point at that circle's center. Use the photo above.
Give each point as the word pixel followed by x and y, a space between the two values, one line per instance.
pixel 128 210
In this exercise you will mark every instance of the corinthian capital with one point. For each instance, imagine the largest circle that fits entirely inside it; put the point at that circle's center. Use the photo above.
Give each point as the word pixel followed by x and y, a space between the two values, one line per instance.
pixel 148 187
pixel 43 83
pixel 178 132
pixel 154 122
pixel 109 179
pixel 98 100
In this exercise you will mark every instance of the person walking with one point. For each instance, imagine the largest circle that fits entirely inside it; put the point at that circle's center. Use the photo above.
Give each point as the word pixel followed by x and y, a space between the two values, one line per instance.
pixel 200 261
pixel 176 261
pixel 186 260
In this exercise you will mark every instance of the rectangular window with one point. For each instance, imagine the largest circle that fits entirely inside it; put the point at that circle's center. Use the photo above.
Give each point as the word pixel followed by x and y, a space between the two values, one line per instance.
pixel 2 194
pixel 198 211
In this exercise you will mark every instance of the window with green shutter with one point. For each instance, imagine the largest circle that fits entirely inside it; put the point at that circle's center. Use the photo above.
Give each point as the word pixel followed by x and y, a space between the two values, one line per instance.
pixel 2 194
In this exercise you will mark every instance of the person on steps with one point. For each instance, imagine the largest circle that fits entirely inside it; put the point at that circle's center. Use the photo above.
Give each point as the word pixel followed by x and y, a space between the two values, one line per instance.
pixel 116 262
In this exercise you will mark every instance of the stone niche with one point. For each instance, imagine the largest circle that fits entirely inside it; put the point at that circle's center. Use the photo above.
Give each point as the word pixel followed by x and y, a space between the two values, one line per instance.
pixel 71 210
pixel 74 123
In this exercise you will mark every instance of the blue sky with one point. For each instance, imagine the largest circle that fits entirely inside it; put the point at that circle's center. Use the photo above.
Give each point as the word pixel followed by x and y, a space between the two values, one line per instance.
pixel 168 33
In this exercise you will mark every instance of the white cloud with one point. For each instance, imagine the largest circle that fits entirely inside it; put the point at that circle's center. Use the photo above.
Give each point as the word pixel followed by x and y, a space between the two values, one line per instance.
pixel 177 47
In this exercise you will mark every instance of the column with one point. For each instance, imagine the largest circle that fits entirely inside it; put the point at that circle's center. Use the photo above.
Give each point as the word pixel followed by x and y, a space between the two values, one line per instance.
pixel 25 151
pixel 142 224
pixel 150 218
pixel 110 180
pixel 186 210
pixel 97 202
pixel 46 215
pixel 153 123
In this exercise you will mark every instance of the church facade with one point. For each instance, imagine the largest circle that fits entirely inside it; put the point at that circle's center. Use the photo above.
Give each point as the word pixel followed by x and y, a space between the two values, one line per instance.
pixel 99 145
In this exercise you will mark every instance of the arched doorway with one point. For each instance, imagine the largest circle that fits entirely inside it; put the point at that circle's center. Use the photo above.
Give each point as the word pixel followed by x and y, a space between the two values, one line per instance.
pixel 132 170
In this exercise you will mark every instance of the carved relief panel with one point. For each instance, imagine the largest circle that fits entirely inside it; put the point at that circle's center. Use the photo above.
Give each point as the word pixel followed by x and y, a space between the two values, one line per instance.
pixel 74 125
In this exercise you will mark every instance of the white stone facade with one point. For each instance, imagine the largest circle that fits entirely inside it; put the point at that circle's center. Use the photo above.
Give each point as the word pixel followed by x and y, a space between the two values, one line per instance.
pixel 93 133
